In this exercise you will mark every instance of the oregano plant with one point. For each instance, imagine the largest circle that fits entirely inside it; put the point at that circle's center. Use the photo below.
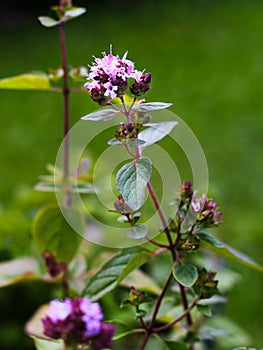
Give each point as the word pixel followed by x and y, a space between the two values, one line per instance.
pixel 169 312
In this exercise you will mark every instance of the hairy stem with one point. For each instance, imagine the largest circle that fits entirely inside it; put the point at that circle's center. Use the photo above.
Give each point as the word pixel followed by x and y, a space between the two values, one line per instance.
pixel 162 218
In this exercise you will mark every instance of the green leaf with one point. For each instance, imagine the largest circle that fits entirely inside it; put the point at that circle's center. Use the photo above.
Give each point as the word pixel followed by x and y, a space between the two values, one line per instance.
pixel 244 348
pixel 48 344
pixel 151 106
pixel 131 181
pixel 138 231
pixel 114 271
pixel 48 21
pixel 209 241
pixel 156 132
pixel 104 114
pixel 17 270
pixel 185 273
pixel 51 232
pixel 128 142
pixel 204 309
pixel 27 81
pixel 175 345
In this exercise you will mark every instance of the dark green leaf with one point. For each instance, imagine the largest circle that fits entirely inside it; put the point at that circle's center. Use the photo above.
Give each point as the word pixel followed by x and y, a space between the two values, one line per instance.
pixel 205 310
pixel 138 231
pixel 104 114
pixel 115 270
pixel 51 232
pixel 175 345
pixel 151 106
pixel 209 241
pixel 186 274
pixel 27 81
pixel 155 132
pixel 48 21
pixel 131 181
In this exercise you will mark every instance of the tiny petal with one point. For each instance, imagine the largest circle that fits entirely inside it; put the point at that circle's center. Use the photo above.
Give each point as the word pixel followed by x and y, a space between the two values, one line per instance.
pixel 59 310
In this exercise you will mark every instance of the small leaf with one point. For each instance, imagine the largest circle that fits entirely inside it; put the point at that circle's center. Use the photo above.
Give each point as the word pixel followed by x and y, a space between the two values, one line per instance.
pixel 209 241
pixel 128 142
pixel 138 231
pixel 131 181
pixel 27 81
pixel 175 345
pixel 114 271
pixel 47 187
pixel 75 12
pixel 204 309
pixel 51 232
pixel 151 106
pixel 156 132
pixel 104 114
pixel 48 21
pixel 48 344
pixel 186 274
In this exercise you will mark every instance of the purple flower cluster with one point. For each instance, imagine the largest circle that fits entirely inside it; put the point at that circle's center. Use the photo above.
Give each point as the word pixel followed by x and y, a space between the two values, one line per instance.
pixel 108 78
pixel 207 211
pixel 78 321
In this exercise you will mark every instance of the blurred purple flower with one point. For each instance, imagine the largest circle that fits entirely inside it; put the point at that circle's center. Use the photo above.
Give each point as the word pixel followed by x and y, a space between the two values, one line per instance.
pixel 78 321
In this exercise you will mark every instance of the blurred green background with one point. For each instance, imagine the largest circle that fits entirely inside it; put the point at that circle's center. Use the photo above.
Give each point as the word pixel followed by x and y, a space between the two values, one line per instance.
pixel 205 57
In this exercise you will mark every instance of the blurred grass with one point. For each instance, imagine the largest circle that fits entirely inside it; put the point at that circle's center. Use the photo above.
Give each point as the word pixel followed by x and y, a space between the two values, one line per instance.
pixel 205 57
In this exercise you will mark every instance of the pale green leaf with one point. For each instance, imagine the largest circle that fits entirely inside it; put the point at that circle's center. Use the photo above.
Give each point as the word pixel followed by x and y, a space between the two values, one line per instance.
pixel 104 114
pixel 185 273
pixel 48 344
pixel 27 81
pixel 155 132
pixel 17 270
pixel 128 142
pixel 209 241
pixel 75 12
pixel 131 181
pixel 150 106
pixel 51 232
pixel 138 231
pixel 48 21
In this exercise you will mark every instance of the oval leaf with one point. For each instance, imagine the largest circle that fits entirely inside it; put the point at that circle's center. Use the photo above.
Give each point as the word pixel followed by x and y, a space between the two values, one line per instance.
pixel 128 142
pixel 102 114
pixel 151 106
pixel 26 81
pixel 209 241
pixel 114 271
pixel 48 21
pixel 51 232
pixel 75 12
pixel 138 231
pixel 156 132
pixel 131 181
pixel 20 269
pixel 186 274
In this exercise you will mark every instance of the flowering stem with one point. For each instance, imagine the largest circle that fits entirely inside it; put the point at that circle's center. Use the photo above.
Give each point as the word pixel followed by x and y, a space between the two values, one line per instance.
pixel 150 328
pixel 65 92
pixel 163 220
